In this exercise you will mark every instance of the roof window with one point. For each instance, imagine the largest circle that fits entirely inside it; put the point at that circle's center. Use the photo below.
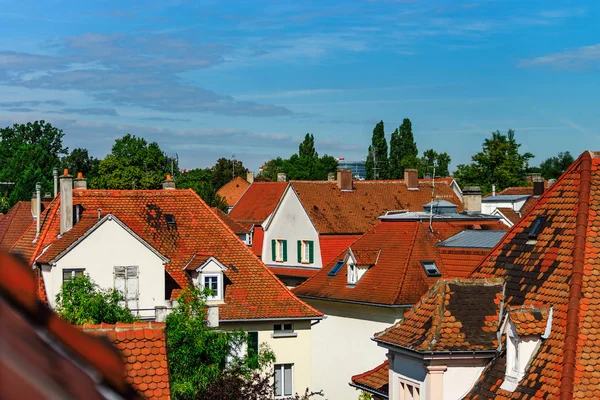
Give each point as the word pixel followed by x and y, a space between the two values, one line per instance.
pixel 536 227
pixel 170 218
pixel 430 267
pixel 336 268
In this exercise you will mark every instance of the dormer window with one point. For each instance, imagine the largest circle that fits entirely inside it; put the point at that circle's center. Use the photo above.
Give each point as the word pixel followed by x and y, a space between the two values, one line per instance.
pixel 430 268
pixel 212 283
pixel 352 273
pixel 207 272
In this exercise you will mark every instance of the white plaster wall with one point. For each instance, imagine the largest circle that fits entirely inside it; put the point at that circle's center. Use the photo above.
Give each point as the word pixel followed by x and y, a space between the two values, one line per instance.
pixel 342 345
pixel 288 350
pixel 489 207
pixel 290 222
pixel 411 369
pixel 459 378
pixel 108 246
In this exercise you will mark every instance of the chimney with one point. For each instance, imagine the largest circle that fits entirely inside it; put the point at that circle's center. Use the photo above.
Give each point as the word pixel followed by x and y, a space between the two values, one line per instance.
pixel 55 174
pixel 331 177
pixel 66 202
pixel 493 189
pixel 38 207
pixel 160 313
pixel 472 199
pixel 281 177
pixel 250 177
pixel 411 179
pixel 538 186
pixel 212 316
pixel 344 179
pixel 80 182
pixel 169 183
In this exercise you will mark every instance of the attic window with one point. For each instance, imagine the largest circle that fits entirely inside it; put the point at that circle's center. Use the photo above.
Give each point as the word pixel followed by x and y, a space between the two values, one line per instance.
pixel 336 268
pixel 430 267
pixel 170 218
pixel 536 227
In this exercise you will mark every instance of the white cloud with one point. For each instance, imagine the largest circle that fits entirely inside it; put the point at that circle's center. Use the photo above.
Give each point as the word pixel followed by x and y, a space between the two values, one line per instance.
pixel 575 59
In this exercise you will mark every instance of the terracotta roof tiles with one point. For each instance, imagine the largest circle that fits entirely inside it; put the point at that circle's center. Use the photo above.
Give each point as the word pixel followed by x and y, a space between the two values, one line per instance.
pixel 529 321
pixel 233 190
pixel 257 203
pixel 230 222
pixel 15 223
pixel 375 381
pixel 510 214
pixel 144 350
pixel 333 245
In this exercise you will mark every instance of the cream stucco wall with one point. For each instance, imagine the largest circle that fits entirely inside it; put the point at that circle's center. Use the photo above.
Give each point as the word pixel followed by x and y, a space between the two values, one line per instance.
pixel 108 246
pixel 342 345
pixel 290 222
pixel 288 350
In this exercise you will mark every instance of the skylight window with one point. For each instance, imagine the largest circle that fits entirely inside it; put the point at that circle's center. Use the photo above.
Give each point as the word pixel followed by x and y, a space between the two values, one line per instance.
pixel 170 218
pixel 536 227
pixel 430 267
pixel 336 268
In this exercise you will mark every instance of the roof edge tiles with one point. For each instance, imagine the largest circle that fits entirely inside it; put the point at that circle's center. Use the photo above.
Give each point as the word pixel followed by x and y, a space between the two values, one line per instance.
pixel 576 283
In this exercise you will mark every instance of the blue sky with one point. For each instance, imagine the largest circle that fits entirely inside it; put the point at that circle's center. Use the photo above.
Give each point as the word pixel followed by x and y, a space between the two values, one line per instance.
pixel 216 78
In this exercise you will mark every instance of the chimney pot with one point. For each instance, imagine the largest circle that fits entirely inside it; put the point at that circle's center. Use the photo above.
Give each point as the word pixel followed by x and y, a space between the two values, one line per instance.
pixel 66 172
pixel 80 182
pixel 411 179
pixel 55 175
pixel 169 184
pixel 344 179
pixel 472 199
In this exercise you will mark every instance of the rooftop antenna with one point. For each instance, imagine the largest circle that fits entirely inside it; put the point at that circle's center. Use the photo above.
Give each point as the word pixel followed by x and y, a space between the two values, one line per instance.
pixel 432 196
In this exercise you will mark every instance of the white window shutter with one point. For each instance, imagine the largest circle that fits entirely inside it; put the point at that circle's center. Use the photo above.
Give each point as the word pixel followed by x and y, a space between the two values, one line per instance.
pixel 120 282
pixel 132 288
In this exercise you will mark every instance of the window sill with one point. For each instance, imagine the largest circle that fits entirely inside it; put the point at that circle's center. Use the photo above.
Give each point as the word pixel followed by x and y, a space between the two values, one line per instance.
pixel 284 335
pixel 214 302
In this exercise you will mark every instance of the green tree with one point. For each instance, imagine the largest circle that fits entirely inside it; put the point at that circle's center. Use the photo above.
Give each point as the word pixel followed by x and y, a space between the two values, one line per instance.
pixel 225 170
pixel 553 167
pixel 498 163
pixel 82 301
pixel 442 161
pixel 408 147
pixel 200 181
pixel 204 361
pixel 134 164
pixel 79 160
pixel 28 154
pixel 395 167
pixel 378 154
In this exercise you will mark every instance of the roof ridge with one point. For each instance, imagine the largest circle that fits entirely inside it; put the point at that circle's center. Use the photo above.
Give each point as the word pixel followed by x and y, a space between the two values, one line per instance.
pixel 575 285
pixel 408 258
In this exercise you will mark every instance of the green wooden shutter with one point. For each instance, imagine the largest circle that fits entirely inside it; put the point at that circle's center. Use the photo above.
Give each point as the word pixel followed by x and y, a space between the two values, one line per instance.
pixel 284 242
pixel 274 249
pixel 311 251
pixel 299 251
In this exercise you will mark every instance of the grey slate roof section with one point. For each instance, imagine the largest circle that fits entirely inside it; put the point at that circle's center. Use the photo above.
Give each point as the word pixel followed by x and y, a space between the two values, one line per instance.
pixel 422 216
pixel 474 239
pixel 512 197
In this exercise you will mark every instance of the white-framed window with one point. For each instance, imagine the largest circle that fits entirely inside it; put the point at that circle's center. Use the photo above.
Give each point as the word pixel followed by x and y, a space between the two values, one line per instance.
pixel 284 380
pixel 431 268
pixel 127 283
pixel 306 251
pixel 283 328
pixel 211 281
pixel 408 390
pixel 71 273
pixel 352 273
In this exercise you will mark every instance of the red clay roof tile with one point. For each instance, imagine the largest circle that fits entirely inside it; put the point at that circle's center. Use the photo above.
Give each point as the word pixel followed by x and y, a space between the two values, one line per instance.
pixel 233 190
pixel 15 223
pixel 257 203
pixel 333 245
pixel 375 381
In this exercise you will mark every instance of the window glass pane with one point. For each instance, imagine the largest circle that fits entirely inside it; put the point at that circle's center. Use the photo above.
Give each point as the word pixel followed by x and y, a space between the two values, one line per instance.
pixel 278 327
pixel 280 250
pixel 287 327
pixel 306 251
pixel 287 380
pixel 278 388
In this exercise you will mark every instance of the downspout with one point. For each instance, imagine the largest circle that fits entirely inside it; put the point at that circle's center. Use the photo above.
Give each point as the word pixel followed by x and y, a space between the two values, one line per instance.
pixel 575 286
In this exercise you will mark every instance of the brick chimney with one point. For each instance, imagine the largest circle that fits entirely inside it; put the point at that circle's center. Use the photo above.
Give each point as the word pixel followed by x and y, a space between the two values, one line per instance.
pixel 169 183
pixel 538 185
pixel 250 177
pixel 281 177
pixel 472 199
pixel 344 179
pixel 66 202
pixel 411 179
pixel 80 182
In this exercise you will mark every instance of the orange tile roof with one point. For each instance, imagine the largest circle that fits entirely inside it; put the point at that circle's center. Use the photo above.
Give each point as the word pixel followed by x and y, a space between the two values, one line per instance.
pixel 447 180
pixel 561 269
pixel 455 315
pixel 65 362
pixel 144 350
pixel 398 278
pixel 333 211
pixel 374 381
pixel 233 225
pixel 529 321
pixel 510 214
pixel 333 245
pixel 233 190
pixel 529 203
pixel 296 272
pixel 15 223
pixel 253 292
pixel 257 203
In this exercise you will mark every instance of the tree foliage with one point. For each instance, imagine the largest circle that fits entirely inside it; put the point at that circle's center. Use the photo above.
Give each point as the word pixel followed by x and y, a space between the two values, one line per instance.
pixel 498 163
pixel 134 164
pixel 378 154
pixel 200 181
pixel 225 170
pixel 403 150
pixel 442 161
pixel 28 153
pixel 79 160
pixel 553 167
pixel 204 361
pixel 304 165
pixel 82 301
